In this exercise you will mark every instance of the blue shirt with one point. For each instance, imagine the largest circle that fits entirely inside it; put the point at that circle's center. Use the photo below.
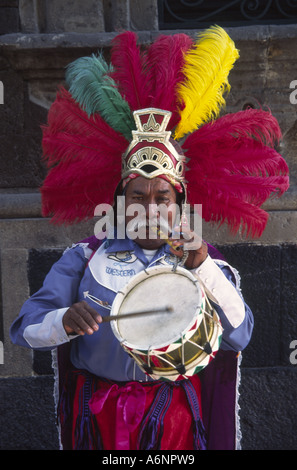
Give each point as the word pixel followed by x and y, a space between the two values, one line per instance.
pixel 103 273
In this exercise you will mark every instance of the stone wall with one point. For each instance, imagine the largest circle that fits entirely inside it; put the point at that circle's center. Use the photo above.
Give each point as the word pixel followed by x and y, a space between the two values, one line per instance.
pixel 36 43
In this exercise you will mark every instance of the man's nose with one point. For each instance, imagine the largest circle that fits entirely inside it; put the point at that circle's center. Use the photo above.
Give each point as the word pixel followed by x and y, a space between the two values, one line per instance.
pixel 152 211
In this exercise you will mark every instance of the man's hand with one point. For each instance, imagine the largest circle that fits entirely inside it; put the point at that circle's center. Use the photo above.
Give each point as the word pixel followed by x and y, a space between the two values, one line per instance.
pixel 197 249
pixel 81 318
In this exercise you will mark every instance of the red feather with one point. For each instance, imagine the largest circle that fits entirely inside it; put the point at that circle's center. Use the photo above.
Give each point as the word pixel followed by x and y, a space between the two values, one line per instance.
pixel 237 214
pixel 165 60
pixel 68 123
pixel 233 168
pixel 128 62
pixel 84 158
pixel 254 190
pixel 251 123
pixel 251 158
pixel 71 193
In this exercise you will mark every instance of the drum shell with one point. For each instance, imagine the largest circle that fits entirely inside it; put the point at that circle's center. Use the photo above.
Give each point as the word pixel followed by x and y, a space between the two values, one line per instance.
pixel 179 356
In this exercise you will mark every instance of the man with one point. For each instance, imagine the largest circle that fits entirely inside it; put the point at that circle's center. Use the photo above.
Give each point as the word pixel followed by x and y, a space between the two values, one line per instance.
pixel 107 401
pixel 82 318
pixel 59 313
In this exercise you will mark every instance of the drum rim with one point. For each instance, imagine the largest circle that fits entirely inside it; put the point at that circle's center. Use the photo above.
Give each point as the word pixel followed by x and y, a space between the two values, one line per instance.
pixel 133 282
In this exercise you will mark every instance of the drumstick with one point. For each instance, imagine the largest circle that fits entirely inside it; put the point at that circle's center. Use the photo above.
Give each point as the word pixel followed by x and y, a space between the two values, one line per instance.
pixel 136 314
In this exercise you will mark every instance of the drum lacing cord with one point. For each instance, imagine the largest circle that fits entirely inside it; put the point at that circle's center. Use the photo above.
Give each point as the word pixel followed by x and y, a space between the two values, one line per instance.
pixel 134 372
pixel 180 261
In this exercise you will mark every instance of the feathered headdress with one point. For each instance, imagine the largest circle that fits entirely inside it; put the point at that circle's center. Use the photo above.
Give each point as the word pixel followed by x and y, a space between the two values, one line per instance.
pixel 102 129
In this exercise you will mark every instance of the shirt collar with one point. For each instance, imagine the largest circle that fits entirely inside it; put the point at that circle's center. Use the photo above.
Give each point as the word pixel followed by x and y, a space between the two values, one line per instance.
pixel 113 245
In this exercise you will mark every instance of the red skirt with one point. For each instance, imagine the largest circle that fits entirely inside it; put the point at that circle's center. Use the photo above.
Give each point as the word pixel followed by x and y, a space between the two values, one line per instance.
pixel 98 414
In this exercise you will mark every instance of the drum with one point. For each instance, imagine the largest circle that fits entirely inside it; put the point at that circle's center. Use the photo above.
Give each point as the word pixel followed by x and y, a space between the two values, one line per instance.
pixel 173 345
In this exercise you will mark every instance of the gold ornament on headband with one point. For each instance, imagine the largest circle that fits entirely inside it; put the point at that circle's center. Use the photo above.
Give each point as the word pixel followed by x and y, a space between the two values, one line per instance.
pixel 151 153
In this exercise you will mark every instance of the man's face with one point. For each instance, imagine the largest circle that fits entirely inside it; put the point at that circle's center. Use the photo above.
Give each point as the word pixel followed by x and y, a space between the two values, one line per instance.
pixel 149 194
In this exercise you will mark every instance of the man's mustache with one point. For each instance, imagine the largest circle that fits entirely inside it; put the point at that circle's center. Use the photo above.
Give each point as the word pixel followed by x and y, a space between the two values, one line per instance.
pixel 140 226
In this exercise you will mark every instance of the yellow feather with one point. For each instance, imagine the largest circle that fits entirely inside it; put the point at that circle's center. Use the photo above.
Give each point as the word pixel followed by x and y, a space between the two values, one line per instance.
pixel 206 70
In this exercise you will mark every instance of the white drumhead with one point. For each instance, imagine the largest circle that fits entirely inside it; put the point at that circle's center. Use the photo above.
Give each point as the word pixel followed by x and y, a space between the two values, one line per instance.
pixel 157 287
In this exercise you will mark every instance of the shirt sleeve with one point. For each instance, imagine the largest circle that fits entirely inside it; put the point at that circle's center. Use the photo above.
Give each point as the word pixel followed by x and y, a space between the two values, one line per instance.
pixel 39 324
pixel 221 283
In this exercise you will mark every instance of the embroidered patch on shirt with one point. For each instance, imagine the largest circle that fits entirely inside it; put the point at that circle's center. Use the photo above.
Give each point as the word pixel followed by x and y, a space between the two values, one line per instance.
pixel 123 256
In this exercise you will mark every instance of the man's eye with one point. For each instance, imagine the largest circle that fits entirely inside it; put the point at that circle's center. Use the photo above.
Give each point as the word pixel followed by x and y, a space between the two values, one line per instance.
pixel 164 200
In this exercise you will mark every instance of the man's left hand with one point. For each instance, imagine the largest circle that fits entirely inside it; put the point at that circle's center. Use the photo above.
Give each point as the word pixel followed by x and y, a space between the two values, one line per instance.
pixel 197 249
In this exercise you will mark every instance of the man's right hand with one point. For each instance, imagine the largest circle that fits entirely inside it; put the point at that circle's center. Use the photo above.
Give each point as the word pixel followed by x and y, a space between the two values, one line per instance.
pixel 81 318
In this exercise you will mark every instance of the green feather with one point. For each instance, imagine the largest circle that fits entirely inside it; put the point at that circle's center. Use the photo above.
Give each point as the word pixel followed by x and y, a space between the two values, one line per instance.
pixel 91 86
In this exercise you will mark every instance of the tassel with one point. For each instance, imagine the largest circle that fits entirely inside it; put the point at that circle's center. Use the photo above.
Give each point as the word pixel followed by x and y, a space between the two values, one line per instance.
pixel 199 439
pixel 86 433
pixel 151 432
